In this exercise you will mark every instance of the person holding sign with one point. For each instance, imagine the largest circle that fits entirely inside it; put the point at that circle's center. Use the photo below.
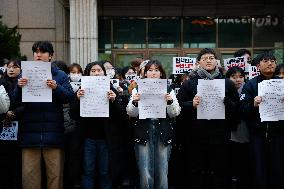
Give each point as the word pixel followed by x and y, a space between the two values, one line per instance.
pixel 42 134
pixel 97 130
pixel 267 137
pixel 239 144
pixel 9 144
pixel 153 136
pixel 205 142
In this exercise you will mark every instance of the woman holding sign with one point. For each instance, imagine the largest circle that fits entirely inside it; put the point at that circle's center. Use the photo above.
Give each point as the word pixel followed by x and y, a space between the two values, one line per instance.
pixel 153 137
pixel 98 130
pixel 10 150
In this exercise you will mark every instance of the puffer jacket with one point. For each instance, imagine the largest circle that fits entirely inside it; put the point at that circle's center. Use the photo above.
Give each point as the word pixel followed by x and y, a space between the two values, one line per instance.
pixel 43 121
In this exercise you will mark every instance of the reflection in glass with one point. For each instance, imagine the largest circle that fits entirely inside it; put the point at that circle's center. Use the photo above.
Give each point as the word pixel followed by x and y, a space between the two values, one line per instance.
pixel 268 32
pixel 104 34
pixel 123 60
pixel 234 32
pixel 164 33
pixel 129 33
pixel 166 60
pixel 199 32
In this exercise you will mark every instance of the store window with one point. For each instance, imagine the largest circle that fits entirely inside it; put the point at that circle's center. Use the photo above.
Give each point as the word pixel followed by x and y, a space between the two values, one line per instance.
pixel 199 32
pixel 278 53
pixel 104 29
pixel 234 32
pixel 129 33
pixel 164 33
pixel 268 32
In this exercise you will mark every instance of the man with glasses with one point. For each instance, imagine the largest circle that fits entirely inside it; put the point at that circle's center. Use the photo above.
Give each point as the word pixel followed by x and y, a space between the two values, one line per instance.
pixel 205 142
pixel 266 138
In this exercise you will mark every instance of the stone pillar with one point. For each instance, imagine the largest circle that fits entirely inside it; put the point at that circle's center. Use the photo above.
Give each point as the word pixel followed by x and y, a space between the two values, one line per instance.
pixel 83 32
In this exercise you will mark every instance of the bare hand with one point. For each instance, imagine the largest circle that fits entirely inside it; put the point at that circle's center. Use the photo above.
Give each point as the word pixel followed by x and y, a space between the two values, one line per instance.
pixel 51 83
pixel 22 82
pixel 80 93
pixel 168 97
pixel 257 101
pixel 111 95
pixel 136 97
pixel 196 101
pixel 10 115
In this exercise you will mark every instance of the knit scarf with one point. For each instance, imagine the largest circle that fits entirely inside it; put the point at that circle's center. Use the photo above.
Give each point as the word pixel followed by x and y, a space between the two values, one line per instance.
pixel 206 75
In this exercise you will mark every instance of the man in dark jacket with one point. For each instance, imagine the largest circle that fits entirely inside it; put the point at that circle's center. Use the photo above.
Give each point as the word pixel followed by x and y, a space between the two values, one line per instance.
pixel 43 131
pixel 205 142
pixel 266 138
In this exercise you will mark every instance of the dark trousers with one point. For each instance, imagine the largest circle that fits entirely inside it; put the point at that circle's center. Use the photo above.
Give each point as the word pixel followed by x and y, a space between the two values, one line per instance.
pixel 207 166
pixel 267 158
pixel 10 163
pixel 240 165
pixel 73 167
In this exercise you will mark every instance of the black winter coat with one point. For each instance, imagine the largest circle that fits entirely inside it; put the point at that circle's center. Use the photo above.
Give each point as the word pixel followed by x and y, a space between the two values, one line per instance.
pixel 207 131
pixel 251 113
pixel 43 122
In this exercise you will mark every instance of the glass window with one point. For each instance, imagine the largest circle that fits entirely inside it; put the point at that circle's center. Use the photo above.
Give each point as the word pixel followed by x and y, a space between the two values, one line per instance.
pixel 268 32
pixel 129 33
pixel 104 41
pixel 104 55
pixel 164 33
pixel 278 53
pixel 234 32
pixel 166 60
pixel 124 59
pixel 199 32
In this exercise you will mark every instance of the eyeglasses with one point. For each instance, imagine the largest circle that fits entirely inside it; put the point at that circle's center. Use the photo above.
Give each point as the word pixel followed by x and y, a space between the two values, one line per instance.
pixel 211 58
pixel 268 60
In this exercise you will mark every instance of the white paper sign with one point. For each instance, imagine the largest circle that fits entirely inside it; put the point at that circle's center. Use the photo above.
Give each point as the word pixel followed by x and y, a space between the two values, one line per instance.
pixel 37 73
pixel 183 64
pixel 152 103
pixel 271 107
pixel 95 102
pixel 11 132
pixel 212 93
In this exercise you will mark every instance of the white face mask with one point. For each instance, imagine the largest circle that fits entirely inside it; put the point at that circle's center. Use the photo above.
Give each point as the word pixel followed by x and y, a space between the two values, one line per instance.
pixel 130 77
pixel 110 73
pixel 75 77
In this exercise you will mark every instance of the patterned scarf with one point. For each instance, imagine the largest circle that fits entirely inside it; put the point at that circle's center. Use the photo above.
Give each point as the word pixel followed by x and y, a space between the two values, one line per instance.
pixel 206 75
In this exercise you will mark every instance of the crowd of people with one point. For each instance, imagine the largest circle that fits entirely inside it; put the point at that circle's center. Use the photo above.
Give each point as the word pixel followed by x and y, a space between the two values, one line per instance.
pixel 57 148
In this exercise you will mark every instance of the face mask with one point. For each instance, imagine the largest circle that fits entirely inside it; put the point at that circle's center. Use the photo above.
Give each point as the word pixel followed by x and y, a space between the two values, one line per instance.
pixel 130 77
pixel 75 77
pixel 110 73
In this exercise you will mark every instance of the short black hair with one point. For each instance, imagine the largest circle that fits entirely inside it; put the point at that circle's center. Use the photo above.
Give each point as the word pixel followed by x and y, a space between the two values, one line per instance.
pixel 15 61
pixel 205 51
pixel 233 70
pixel 43 46
pixel 265 55
pixel 242 52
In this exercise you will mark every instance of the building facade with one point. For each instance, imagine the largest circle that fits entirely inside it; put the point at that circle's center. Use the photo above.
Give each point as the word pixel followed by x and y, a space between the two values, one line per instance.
pixel 84 31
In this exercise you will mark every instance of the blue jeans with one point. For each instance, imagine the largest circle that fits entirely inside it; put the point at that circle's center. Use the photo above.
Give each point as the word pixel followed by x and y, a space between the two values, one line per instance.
pixel 96 151
pixel 152 161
